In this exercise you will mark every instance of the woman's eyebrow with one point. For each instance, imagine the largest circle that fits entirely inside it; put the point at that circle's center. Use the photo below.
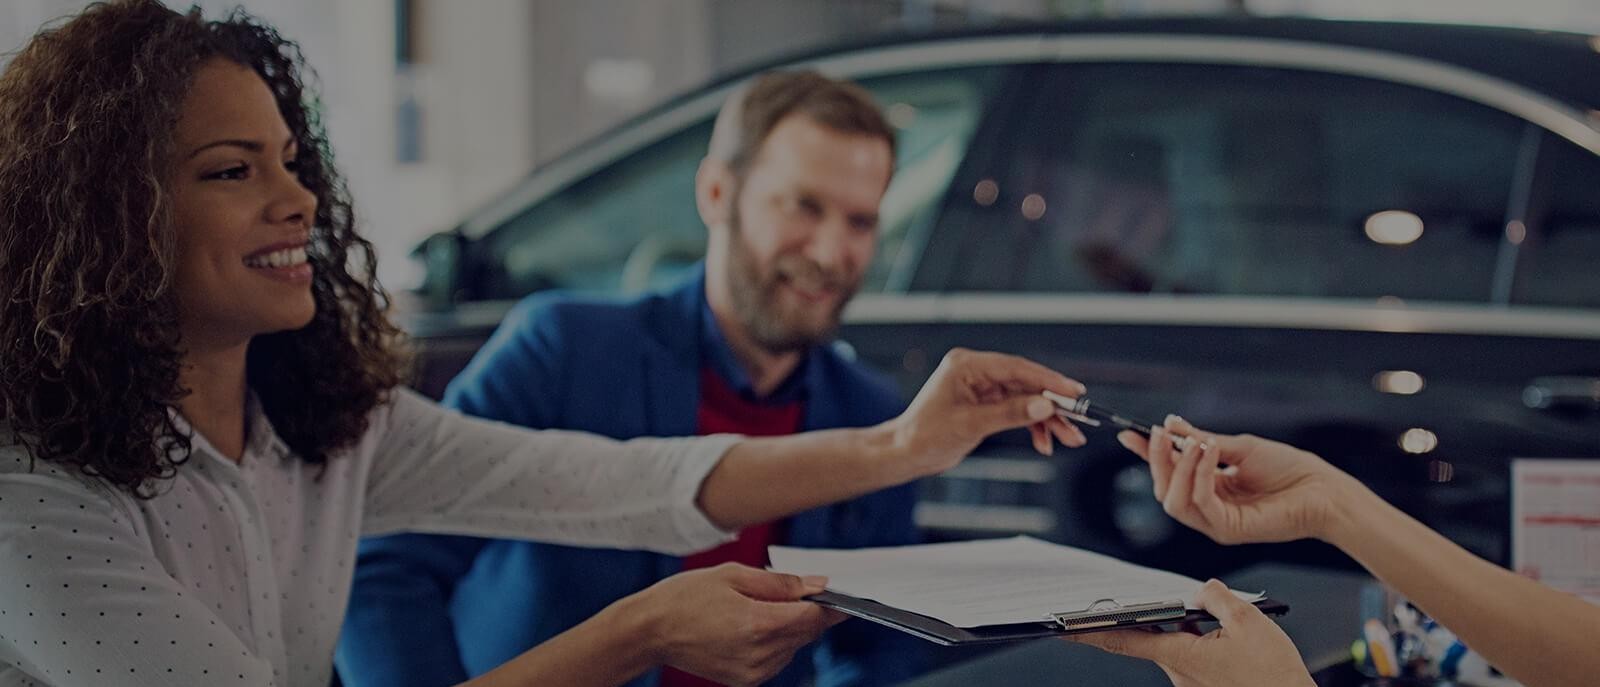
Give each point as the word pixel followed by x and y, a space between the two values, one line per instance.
pixel 246 144
pixel 251 146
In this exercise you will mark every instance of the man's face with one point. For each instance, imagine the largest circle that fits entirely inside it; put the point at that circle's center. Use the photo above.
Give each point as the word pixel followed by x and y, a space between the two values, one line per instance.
pixel 802 229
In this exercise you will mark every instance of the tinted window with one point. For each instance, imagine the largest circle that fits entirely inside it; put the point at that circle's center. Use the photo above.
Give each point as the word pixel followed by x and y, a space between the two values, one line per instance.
pixel 1238 180
pixel 583 237
pixel 633 224
pixel 1560 262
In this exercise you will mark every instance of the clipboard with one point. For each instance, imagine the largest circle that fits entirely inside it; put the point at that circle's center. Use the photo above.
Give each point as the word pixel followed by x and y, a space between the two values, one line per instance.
pixel 1103 615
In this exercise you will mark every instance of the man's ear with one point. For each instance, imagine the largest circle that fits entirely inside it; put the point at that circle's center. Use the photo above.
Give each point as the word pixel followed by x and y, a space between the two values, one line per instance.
pixel 713 192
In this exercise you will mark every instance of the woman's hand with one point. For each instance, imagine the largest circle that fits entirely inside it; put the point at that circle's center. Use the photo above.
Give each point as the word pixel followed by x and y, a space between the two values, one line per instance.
pixel 1271 492
pixel 1249 650
pixel 975 394
pixel 731 624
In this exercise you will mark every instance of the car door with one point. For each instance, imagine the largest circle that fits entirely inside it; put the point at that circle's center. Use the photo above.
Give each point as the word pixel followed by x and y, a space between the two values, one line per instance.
pixel 1277 246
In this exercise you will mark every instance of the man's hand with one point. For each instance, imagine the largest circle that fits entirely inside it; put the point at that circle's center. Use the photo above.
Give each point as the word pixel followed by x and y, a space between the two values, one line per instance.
pixel 731 624
pixel 973 395
pixel 1249 650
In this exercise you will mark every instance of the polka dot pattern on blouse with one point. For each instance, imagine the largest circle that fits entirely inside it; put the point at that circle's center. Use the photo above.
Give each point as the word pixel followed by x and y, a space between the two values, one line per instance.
pixel 238 573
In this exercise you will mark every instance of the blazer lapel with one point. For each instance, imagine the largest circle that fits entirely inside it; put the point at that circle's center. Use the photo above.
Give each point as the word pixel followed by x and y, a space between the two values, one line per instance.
pixel 671 362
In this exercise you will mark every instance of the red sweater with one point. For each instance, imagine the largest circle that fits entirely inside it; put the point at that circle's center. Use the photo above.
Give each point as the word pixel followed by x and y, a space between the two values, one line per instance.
pixel 724 411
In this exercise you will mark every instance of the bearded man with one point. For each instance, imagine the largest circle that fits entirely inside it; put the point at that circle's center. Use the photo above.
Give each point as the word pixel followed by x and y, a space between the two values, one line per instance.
pixel 789 191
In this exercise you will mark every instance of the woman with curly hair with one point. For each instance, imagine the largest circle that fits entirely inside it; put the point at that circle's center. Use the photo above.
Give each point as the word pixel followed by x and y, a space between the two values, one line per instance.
pixel 202 412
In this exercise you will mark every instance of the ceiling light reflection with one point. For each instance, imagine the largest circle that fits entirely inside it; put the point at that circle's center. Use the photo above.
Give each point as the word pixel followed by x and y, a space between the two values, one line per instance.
pixel 1399 382
pixel 1516 232
pixel 1394 227
pixel 1418 441
pixel 986 192
pixel 1033 206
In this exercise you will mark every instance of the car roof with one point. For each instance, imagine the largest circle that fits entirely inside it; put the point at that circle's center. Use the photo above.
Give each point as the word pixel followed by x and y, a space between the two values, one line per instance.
pixel 1560 64
pixel 1563 66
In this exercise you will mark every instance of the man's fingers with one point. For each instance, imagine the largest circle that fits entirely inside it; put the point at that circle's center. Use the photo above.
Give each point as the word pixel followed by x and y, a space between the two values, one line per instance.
pixel 1215 598
pixel 1014 412
pixel 1014 372
pixel 1041 439
pixel 1161 647
pixel 1068 433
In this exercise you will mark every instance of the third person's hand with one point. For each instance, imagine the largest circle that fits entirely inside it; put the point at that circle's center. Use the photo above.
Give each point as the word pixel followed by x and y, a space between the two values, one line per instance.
pixel 1248 650
pixel 1270 492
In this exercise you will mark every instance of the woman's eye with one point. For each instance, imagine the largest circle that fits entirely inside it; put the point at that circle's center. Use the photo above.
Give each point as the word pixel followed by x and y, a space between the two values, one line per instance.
pixel 232 173
pixel 292 166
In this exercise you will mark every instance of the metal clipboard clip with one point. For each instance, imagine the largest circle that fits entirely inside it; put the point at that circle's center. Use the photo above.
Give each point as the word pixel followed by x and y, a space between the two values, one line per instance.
pixel 1109 613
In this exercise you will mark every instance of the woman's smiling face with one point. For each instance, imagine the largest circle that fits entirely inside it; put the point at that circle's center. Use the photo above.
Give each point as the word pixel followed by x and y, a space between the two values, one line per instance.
pixel 242 217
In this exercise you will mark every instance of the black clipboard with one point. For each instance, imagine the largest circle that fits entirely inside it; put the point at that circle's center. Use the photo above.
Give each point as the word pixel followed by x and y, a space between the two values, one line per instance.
pixel 1096 619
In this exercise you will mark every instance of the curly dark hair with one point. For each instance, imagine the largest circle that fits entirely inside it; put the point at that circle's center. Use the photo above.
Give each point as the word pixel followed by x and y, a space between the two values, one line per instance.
pixel 90 350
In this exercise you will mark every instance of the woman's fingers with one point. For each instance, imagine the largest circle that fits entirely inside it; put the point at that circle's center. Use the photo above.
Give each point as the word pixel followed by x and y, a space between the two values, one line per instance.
pixel 1159 456
pixel 1180 487
pixel 1204 496
pixel 1135 442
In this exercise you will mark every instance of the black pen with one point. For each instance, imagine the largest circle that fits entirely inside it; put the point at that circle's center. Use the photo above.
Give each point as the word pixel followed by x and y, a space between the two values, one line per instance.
pixel 1084 411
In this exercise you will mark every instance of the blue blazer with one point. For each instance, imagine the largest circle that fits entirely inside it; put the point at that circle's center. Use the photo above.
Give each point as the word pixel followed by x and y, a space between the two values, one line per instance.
pixel 431 610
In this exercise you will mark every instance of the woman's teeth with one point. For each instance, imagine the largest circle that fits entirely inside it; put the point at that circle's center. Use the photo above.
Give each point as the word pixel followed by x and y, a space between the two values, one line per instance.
pixel 288 257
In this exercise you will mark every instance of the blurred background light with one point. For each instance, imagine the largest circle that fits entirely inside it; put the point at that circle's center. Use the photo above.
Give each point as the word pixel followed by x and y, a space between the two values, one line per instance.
pixel 1418 441
pixel 986 192
pixel 1399 382
pixel 1394 227
pixel 1033 206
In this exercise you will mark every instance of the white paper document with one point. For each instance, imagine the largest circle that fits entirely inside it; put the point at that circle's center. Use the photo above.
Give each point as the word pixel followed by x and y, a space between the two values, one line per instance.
pixel 1555 524
pixel 987 582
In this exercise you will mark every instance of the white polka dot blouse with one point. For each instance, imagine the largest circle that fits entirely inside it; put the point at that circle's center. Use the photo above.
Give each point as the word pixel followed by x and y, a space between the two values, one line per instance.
pixel 238 573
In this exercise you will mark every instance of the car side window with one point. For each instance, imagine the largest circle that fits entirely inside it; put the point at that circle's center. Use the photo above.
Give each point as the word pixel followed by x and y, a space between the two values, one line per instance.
pixel 633 225
pixel 934 115
pixel 1240 180
pixel 1560 261
pixel 638 209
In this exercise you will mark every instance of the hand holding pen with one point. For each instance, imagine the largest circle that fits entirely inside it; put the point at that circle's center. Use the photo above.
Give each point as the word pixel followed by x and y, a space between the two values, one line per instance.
pixel 1083 411
pixel 1271 492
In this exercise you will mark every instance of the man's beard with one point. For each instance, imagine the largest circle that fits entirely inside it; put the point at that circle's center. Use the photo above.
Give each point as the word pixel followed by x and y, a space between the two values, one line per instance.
pixel 756 295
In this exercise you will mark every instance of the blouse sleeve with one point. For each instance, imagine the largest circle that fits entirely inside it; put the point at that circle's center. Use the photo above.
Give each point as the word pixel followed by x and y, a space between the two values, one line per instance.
pixel 83 601
pixel 436 470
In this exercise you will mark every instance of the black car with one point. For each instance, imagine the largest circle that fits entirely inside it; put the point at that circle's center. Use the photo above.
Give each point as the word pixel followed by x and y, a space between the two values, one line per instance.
pixel 1377 241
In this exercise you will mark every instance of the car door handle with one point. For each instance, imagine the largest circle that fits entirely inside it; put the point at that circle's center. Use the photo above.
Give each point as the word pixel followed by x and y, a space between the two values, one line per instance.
pixel 1549 393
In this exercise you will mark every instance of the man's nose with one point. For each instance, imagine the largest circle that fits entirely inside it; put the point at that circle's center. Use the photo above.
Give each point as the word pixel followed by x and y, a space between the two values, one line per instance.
pixel 829 246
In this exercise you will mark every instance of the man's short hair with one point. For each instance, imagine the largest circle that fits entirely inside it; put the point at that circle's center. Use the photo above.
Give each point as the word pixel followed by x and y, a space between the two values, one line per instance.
pixel 750 115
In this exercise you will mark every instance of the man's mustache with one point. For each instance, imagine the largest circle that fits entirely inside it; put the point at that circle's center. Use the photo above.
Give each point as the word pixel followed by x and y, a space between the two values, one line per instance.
pixel 808 275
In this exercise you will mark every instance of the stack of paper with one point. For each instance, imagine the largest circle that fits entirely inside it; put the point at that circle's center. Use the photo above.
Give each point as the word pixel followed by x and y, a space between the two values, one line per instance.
pixel 987 582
